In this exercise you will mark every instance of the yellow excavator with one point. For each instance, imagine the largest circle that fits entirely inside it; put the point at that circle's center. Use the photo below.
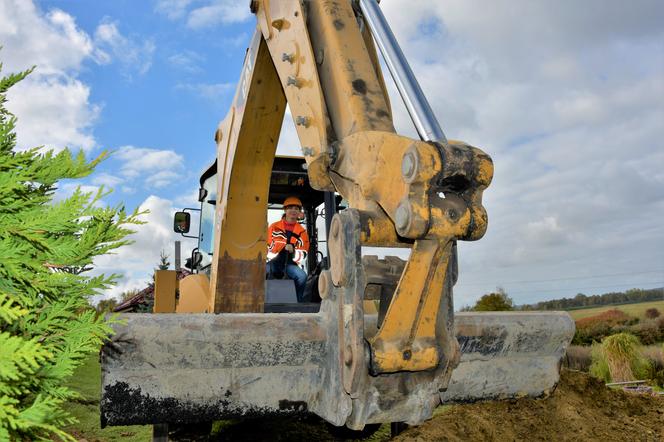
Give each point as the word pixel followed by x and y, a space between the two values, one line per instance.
pixel 380 342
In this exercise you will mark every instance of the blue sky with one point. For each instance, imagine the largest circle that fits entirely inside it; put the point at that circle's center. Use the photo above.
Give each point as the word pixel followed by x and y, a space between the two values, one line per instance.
pixel 169 95
pixel 566 97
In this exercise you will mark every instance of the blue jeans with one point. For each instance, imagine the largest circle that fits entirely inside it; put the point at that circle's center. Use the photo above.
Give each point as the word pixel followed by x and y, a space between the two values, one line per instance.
pixel 278 266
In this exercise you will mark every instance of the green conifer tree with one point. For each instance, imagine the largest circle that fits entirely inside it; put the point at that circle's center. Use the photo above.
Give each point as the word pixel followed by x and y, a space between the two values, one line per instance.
pixel 164 263
pixel 47 326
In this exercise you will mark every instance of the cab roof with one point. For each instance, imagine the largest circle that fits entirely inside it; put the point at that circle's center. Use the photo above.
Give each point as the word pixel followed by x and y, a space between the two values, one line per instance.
pixel 289 178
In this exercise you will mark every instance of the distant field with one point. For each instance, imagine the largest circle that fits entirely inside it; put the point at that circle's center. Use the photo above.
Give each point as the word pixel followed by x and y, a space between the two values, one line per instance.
pixel 636 310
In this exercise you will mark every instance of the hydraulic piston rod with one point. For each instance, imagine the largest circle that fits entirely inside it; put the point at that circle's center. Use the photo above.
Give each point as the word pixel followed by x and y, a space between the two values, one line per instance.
pixel 416 103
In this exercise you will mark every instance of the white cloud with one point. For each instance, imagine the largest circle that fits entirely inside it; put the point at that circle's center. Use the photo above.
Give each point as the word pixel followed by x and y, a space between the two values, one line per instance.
pixel 162 178
pixel 218 12
pixel 187 61
pixel 212 13
pixel 52 41
pixel 173 9
pixel 156 168
pixel 54 111
pixel 569 103
pixel 133 56
pixel 52 105
pixel 188 199
pixel 135 263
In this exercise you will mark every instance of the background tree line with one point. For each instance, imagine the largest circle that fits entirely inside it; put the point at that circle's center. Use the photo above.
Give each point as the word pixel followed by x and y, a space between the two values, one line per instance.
pixel 581 300
pixel 500 301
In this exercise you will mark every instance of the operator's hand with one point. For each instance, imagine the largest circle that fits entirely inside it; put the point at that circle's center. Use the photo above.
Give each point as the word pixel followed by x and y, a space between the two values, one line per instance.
pixel 289 248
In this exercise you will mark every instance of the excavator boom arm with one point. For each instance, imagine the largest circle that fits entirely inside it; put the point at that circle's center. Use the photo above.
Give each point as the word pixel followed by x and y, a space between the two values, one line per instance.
pixel 349 363
pixel 322 57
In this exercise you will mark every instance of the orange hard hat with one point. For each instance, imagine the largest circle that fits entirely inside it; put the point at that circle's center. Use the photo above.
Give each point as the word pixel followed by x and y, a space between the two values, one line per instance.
pixel 292 201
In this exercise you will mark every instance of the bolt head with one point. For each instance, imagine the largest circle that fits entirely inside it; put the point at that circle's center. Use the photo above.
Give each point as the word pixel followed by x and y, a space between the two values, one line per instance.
pixel 408 165
pixel 301 121
pixel 402 217
pixel 407 355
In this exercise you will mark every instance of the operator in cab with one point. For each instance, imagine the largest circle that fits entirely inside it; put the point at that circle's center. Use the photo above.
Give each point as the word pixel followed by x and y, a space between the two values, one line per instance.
pixel 288 245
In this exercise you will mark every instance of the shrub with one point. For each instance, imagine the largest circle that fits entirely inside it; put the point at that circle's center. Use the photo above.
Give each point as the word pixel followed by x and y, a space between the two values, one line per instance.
pixel 617 359
pixel 595 328
pixel 649 331
pixel 106 306
pixel 599 367
pixel 578 357
pixel 494 302
pixel 611 317
pixel 655 354
pixel 47 327
pixel 593 333
pixel 652 313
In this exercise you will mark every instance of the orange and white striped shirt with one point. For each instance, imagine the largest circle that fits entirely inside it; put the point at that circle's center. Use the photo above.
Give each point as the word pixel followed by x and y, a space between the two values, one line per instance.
pixel 277 235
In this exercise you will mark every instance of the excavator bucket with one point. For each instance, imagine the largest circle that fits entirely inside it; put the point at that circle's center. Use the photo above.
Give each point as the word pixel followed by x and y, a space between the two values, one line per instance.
pixel 184 368
pixel 166 368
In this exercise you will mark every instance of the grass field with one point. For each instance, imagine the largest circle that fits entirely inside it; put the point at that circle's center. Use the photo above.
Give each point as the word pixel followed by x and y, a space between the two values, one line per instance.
pixel 636 310
pixel 87 381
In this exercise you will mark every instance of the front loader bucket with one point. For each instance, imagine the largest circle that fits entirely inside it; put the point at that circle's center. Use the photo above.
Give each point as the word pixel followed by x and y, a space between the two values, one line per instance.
pixel 178 368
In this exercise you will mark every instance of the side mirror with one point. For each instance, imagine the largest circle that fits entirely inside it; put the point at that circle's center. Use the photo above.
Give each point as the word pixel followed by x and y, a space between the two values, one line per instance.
pixel 194 261
pixel 181 222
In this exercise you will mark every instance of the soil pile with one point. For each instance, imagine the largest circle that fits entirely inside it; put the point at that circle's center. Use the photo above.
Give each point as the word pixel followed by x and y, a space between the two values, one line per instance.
pixel 581 408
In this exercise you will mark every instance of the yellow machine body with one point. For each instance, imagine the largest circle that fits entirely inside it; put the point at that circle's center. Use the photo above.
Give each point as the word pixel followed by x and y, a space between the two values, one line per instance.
pixel 394 363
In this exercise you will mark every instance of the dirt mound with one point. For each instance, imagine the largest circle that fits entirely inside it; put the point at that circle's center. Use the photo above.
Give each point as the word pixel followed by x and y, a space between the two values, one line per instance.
pixel 581 408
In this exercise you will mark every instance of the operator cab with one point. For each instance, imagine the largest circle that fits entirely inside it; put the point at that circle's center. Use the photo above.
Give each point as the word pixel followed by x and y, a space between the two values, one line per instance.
pixel 289 178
